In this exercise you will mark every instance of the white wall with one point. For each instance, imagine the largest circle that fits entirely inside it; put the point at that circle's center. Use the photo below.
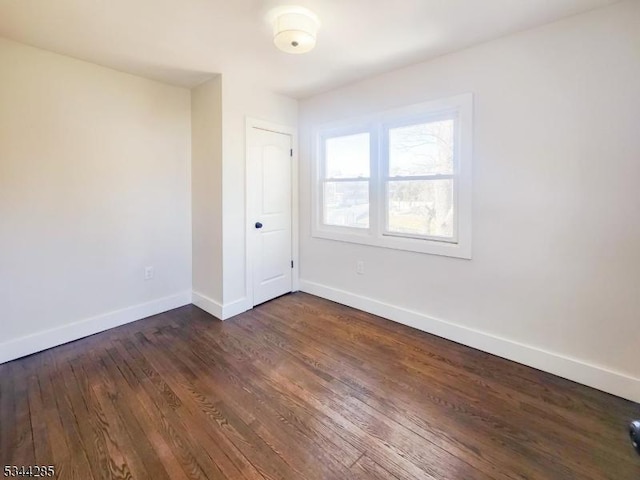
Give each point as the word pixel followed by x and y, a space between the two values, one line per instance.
pixel 206 175
pixel 242 97
pixel 555 276
pixel 94 186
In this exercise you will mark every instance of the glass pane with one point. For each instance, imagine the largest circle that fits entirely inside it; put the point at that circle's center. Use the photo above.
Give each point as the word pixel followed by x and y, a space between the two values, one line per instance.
pixel 348 156
pixel 422 149
pixel 421 207
pixel 346 204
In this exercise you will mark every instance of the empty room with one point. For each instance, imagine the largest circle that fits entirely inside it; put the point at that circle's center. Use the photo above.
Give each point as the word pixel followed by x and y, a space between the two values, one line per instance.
pixel 323 240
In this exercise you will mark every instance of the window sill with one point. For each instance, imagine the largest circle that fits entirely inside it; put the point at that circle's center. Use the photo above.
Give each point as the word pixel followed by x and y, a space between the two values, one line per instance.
pixel 432 247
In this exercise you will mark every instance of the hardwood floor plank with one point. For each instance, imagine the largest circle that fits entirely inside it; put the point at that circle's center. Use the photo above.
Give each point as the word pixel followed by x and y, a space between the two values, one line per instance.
pixel 160 404
pixel 90 428
pixel 231 461
pixel 367 469
pixel 68 465
pixel 8 422
pixel 43 454
pixel 77 463
pixel 23 448
pixel 125 399
pixel 301 388
pixel 123 451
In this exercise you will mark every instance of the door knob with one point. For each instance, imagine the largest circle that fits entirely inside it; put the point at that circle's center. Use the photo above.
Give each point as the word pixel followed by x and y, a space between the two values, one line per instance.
pixel 258 225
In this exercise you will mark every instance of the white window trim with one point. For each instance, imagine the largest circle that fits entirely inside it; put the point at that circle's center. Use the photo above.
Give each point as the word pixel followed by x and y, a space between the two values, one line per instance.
pixel 377 125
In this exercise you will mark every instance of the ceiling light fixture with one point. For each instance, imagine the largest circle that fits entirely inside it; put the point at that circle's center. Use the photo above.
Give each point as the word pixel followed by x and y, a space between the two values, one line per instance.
pixel 295 29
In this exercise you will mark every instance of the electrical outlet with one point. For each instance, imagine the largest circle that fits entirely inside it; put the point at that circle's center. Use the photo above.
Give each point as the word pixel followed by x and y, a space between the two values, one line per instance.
pixel 148 273
pixel 360 267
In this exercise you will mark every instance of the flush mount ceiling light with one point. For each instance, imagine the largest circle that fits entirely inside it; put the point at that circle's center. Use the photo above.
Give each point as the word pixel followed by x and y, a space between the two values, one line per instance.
pixel 295 29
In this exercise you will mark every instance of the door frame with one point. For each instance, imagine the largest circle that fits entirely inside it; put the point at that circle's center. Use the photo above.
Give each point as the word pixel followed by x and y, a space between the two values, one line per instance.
pixel 254 123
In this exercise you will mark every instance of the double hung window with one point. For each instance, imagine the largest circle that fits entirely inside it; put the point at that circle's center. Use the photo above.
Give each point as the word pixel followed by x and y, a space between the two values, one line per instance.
pixel 399 179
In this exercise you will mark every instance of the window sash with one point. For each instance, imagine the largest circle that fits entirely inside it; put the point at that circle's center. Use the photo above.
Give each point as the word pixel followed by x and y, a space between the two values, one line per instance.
pixel 345 132
pixel 385 157
pixel 385 177
pixel 387 232
pixel 324 178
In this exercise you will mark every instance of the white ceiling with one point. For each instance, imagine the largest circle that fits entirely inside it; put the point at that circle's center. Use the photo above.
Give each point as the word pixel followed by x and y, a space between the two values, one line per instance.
pixel 185 41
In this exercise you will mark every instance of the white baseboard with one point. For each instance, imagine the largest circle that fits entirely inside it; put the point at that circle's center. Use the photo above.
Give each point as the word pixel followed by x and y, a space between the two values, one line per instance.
pixel 207 304
pixel 218 310
pixel 37 342
pixel 579 371
pixel 235 308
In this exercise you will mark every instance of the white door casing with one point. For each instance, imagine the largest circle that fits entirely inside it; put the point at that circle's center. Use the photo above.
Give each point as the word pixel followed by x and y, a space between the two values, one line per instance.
pixel 270 213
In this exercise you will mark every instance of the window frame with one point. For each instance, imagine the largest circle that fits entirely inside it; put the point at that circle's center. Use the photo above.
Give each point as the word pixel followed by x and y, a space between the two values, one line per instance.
pixel 460 109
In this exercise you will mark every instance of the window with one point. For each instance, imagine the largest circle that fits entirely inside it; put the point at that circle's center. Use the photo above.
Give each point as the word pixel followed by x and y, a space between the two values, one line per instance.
pixel 346 180
pixel 399 179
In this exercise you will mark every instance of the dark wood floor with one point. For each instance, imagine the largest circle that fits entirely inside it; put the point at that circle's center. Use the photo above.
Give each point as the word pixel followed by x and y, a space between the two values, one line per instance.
pixel 301 388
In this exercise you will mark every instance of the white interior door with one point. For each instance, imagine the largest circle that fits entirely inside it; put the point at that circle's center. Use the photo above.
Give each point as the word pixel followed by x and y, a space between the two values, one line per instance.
pixel 269 169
